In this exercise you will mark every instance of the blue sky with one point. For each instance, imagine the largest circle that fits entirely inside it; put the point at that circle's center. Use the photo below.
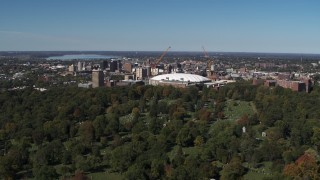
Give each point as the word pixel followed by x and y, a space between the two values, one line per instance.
pixel 138 25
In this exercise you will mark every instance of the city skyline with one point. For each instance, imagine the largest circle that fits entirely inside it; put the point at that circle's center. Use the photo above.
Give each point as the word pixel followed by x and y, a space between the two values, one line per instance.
pixel 226 26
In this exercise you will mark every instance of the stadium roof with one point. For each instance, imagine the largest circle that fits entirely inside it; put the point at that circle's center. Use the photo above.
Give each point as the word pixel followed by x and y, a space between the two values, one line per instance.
pixel 180 77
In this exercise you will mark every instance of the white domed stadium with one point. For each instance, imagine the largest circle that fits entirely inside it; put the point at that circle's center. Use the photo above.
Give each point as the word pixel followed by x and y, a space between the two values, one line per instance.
pixel 178 79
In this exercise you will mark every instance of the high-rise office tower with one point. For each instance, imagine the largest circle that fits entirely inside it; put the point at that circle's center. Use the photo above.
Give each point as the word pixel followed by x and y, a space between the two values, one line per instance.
pixel 113 66
pixel 97 78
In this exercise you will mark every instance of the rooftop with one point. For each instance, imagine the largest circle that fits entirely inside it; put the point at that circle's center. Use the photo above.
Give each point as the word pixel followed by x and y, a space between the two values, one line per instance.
pixel 180 77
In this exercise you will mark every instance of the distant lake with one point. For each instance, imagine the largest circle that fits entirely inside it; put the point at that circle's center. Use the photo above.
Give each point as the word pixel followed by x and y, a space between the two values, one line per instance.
pixel 81 57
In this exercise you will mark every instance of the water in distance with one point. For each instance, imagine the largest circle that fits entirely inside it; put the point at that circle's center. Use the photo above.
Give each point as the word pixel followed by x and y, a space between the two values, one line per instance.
pixel 81 57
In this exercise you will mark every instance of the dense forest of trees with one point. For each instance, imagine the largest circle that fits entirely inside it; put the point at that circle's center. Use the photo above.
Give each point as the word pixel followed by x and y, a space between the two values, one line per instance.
pixel 143 132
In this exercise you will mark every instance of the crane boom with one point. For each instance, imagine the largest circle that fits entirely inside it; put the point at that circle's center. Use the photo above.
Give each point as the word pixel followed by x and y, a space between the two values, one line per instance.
pixel 161 57
pixel 210 61
pixel 205 52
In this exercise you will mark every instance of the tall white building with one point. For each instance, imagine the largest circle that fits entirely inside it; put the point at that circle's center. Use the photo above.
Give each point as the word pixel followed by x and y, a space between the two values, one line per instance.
pixel 141 73
pixel 79 66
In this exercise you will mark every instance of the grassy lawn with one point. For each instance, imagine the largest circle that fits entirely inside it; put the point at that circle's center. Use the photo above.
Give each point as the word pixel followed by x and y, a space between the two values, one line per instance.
pixel 105 150
pixel 235 109
pixel 263 171
pixel 255 175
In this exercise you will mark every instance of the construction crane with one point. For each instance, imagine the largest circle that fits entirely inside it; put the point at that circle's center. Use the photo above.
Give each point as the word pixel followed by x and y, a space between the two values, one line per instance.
pixel 210 61
pixel 210 72
pixel 161 57
pixel 205 52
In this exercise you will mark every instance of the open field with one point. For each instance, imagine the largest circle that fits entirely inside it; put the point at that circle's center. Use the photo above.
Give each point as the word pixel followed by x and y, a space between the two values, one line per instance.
pixel 235 109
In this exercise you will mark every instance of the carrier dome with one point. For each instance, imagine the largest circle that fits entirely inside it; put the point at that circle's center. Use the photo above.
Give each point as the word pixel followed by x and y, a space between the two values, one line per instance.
pixel 179 77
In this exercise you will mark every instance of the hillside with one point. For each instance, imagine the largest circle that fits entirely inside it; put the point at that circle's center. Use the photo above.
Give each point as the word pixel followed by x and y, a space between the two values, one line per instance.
pixel 148 132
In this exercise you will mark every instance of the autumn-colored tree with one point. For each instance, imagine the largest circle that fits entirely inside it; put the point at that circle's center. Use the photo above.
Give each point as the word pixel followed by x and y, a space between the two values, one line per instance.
pixel 274 134
pixel 77 113
pixel 291 170
pixel 166 91
pixel 79 175
pixel 221 115
pixel 179 113
pixel 168 170
pixel 204 115
pixel 244 120
pixel 305 167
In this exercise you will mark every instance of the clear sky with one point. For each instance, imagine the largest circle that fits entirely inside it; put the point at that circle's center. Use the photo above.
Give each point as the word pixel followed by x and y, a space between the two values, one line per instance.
pixel 139 25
